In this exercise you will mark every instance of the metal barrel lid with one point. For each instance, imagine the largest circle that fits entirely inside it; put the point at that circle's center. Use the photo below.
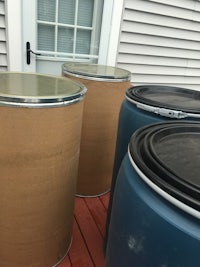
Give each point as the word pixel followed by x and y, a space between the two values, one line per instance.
pixel 96 72
pixel 37 90
pixel 166 156
pixel 166 101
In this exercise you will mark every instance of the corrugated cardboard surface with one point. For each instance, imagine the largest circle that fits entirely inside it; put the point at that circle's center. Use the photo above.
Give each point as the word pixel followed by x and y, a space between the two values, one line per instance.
pixel 100 121
pixel 38 171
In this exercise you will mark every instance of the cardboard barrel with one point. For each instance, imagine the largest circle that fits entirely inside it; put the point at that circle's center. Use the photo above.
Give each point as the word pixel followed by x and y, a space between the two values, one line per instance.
pixel 147 104
pixel 106 88
pixel 40 119
pixel 155 219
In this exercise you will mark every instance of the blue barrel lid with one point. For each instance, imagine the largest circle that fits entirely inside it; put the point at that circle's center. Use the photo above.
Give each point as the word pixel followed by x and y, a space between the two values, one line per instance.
pixel 168 154
pixel 166 100
pixel 37 90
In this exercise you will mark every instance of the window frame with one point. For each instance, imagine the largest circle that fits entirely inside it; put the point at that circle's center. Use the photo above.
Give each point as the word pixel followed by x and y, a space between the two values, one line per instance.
pixel 63 56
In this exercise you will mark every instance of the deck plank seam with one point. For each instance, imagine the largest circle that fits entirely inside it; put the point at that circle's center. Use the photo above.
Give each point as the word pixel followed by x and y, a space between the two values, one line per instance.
pixel 93 217
pixel 84 240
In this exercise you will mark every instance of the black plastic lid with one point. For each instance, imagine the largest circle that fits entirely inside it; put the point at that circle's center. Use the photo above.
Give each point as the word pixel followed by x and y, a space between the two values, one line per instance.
pixel 176 98
pixel 169 155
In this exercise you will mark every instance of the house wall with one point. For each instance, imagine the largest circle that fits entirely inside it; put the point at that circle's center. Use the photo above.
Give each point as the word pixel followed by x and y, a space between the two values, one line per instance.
pixel 3 43
pixel 17 23
pixel 14 35
pixel 160 42
pixel 157 40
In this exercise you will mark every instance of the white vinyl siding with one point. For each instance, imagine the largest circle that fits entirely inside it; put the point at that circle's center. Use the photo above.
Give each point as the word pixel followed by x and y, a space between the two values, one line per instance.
pixel 160 42
pixel 3 48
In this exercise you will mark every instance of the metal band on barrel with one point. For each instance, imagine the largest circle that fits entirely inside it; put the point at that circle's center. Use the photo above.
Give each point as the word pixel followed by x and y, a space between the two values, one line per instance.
pixel 165 112
pixel 42 103
pixel 98 78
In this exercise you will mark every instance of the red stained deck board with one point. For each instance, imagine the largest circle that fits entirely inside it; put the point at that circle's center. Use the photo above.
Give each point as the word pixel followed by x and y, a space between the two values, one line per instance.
pixel 98 213
pixel 88 231
pixel 79 254
pixel 65 263
pixel 105 200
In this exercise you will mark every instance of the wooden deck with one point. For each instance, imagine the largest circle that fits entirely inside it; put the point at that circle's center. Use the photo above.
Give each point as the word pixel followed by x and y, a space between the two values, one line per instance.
pixel 88 233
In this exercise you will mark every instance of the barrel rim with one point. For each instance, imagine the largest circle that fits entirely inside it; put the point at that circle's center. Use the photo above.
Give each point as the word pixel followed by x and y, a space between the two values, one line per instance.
pixel 84 75
pixel 160 108
pixel 42 101
pixel 161 192
pixel 172 184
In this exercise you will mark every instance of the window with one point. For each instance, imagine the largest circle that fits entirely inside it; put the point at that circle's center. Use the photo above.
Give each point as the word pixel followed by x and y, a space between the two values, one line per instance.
pixel 69 28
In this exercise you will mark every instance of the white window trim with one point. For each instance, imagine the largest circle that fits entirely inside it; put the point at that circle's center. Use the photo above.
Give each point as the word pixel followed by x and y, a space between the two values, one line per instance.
pixel 111 23
pixel 109 42
pixel 31 35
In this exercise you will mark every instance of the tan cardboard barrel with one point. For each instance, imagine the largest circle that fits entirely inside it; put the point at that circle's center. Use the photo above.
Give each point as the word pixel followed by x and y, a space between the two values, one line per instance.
pixel 106 89
pixel 40 118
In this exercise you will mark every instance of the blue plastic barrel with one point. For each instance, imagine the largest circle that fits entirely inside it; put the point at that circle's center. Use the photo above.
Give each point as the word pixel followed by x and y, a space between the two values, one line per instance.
pixel 145 105
pixel 155 219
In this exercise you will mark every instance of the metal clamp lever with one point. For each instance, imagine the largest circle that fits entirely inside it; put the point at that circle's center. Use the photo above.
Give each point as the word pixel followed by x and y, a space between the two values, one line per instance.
pixel 163 111
pixel 170 113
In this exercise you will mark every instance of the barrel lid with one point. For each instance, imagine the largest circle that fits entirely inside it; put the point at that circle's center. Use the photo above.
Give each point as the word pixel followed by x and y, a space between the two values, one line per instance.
pixel 29 89
pixel 166 97
pixel 96 72
pixel 168 154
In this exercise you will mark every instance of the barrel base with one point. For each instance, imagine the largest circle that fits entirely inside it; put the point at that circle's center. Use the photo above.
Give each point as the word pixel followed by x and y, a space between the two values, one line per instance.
pixel 90 196
pixel 65 254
